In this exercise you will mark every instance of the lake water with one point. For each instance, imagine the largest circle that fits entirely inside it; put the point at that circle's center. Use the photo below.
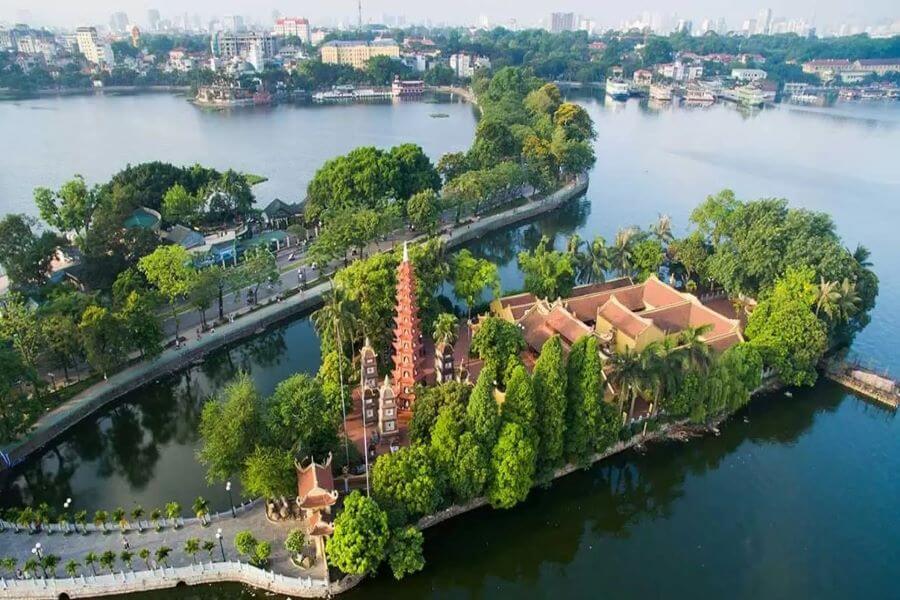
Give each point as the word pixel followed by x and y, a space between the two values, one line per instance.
pixel 797 497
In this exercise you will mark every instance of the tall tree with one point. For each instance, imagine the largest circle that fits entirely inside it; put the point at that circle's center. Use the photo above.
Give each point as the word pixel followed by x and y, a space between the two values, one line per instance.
pixel 405 483
pixel 69 209
pixel 168 269
pixel 548 273
pixel 549 380
pixel 104 337
pixel 24 255
pixel 512 466
pixel 360 537
pixel 229 429
pixel 471 276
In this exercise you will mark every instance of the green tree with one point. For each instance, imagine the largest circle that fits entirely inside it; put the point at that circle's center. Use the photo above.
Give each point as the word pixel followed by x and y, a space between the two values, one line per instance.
pixel 512 466
pixel 269 472
pixel 786 331
pixel 334 377
pixel 180 206
pixel 471 276
pixel 648 256
pixel 144 553
pixel 229 429
pixel 72 567
pixel 259 267
pixel 69 209
pixel 24 255
pixel 102 334
pixel 497 340
pixel 295 542
pixel 141 326
pixel 126 556
pixel 201 509
pixel 168 269
pixel 162 555
pixel 482 413
pixel 423 210
pixel 108 560
pixel 91 559
pixel 451 165
pixel 575 121
pixel 405 483
pixel 548 273
pixel 549 381
pixel 415 172
pixel 519 405
pixel 429 402
pixel 191 548
pixel 173 512
pixel 298 417
pixel 404 552
pixel 360 537
pixel 63 341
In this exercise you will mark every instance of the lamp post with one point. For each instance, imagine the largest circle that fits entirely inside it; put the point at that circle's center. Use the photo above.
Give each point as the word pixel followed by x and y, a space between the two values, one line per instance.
pixel 66 506
pixel 38 551
pixel 230 499
pixel 221 544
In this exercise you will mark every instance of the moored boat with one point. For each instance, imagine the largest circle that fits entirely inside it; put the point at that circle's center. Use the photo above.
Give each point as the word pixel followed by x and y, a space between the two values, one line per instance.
pixel 617 89
pixel 661 92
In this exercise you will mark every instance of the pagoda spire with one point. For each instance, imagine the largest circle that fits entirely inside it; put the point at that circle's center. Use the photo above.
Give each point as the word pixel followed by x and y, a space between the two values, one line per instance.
pixel 407 331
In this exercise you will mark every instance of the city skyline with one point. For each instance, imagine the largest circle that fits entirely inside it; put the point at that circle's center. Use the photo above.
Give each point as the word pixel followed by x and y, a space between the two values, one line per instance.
pixel 465 12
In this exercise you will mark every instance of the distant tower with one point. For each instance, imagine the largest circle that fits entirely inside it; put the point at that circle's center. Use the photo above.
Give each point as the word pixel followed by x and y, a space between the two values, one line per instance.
pixel 359 15
pixel 407 333
pixel 369 380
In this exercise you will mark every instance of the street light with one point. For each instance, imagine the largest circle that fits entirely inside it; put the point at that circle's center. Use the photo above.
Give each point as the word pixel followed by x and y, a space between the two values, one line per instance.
pixel 37 551
pixel 230 499
pixel 66 506
pixel 221 545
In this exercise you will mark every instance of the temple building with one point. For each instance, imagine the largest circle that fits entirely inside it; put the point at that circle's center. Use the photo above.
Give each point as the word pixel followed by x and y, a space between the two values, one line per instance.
pixel 315 497
pixel 368 378
pixel 621 313
pixel 387 410
pixel 407 333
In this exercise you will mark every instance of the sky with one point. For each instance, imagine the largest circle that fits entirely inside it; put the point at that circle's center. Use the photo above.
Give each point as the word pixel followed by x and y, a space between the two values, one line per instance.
pixel 70 13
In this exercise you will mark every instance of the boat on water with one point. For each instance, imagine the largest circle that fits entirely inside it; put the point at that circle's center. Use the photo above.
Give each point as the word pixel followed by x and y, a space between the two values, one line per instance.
pixel 808 99
pixel 698 96
pixel 348 92
pixel 751 96
pixel 617 89
pixel 661 92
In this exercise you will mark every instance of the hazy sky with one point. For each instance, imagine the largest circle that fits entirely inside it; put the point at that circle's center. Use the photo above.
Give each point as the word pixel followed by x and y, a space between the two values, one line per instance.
pixel 527 12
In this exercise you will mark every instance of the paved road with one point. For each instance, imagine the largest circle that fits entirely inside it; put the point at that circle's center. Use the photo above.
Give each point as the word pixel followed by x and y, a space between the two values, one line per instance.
pixel 75 546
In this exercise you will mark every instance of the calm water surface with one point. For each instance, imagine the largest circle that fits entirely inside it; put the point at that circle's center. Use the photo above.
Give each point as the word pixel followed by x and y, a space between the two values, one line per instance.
pixel 797 499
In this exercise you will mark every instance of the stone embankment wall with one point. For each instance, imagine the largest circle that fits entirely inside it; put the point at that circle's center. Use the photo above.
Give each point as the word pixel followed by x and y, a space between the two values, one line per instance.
pixel 171 360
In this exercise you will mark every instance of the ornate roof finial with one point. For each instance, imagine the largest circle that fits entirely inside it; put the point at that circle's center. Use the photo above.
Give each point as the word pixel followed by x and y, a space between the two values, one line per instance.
pixel 405 252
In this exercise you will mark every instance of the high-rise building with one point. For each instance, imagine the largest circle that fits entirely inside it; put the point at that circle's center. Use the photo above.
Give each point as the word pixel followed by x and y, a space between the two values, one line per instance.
pixel 153 19
pixel 764 22
pixel 94 51
pixel 683 26
pixel 225 44
pixel 233 23
pixel 292 27
pixel 118 22
pixel 560 22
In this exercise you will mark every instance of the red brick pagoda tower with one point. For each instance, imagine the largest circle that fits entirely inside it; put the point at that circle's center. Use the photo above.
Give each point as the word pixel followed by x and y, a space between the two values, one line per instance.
pixel 407 334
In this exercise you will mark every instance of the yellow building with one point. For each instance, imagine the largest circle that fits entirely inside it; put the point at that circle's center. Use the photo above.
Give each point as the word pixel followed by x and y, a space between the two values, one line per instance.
pixel 357 53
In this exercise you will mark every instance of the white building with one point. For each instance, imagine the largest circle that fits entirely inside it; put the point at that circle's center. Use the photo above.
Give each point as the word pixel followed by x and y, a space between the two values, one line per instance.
pixel 292 27
pixel 748 74
pixel 465 65
pixel 680 71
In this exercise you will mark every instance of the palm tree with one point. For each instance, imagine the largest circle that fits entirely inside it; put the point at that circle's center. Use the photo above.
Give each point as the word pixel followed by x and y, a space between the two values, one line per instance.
pixel 90 559
pixel 173 511
pixel 31 566
pixel 696 352
pixel 336 320
pixel 42 515
pixel 191 548
pixel 144 553
pixel 62 521
pixel 625 376
pixel 25 518
pixel 49 564
pixel 201 509
pixel 162 555
pixel 72 568
pixel 81 519
pixel 827 296
pixel 100 519
pixel 108 560
pixel 155 516
pixel 445 328
pixel 848 300
pixel 662 365
pixel 597 260
pixel 118 516
pixel 578 258
pixel 8 564
pixel 621 250
pixel 662 229
pixel 136 513
pixel 126 556
pixel 862 255
pixel 208 547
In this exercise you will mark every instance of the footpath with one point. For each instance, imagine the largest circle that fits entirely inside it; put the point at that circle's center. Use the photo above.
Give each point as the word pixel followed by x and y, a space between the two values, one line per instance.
pixel 246 324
